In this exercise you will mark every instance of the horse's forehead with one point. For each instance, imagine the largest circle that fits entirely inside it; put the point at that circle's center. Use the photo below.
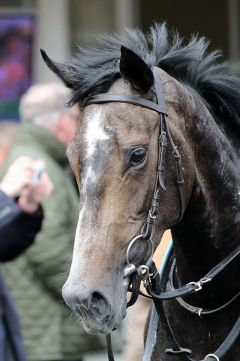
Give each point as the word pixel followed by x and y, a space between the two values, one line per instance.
pixel 91 138
pixel 95 132
pixel 105 130
pixel 117 118
pixel 96 139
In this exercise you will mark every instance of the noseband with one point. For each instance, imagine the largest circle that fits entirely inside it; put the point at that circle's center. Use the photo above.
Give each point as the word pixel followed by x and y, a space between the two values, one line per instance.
pixel 165 137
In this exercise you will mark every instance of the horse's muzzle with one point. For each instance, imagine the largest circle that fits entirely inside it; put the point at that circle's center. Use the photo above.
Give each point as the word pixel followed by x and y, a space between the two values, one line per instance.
pixel 87 301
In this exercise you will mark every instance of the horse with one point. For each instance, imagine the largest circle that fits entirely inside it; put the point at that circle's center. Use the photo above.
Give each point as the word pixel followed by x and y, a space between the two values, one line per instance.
pixel 115 157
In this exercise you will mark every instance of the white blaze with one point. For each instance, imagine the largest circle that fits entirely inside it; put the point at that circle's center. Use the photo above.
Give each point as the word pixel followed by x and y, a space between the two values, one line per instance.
pixel 94 134
pixel 95 131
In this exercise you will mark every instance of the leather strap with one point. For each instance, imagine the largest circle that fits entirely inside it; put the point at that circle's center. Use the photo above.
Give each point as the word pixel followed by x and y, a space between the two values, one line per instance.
pixel 136 283
pixel 163 319
pixel 183 353
pixel 151 340
pixel 178 292
pixel 120 98
pixel 109 348
pixel 179 168
pixel 197 286
pixel 229 341
pixel 203 312
pixel 223 264
pixel 193 309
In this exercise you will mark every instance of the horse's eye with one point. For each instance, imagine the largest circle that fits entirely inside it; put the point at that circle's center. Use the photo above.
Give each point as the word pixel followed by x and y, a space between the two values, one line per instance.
pixel 138 156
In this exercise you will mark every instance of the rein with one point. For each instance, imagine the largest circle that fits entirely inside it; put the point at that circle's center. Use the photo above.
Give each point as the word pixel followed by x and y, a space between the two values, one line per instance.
pixel 154 284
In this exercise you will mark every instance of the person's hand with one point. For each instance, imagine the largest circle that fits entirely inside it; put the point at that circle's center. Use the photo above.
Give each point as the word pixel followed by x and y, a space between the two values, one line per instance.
pixel 32 195
pixel 18 176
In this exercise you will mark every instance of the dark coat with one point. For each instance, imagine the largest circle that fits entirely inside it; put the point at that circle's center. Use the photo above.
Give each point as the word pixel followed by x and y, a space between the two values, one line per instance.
pixel 17 229
pixel 17 232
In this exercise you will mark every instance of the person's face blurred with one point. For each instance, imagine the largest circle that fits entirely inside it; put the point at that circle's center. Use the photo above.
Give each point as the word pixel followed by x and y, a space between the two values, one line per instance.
pixel 67 125
pixel 4 150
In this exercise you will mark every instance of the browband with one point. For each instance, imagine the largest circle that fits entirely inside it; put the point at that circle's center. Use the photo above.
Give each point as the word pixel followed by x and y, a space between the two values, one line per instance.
pixel 106 98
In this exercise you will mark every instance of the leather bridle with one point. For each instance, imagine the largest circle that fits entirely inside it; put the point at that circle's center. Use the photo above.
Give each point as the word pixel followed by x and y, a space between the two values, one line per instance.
pixel 147 231
pixel 156 286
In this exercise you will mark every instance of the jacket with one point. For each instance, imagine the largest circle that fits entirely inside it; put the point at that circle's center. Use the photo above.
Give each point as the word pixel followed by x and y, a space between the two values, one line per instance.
pixel 49 332
pixel 17 229
pixel 17 232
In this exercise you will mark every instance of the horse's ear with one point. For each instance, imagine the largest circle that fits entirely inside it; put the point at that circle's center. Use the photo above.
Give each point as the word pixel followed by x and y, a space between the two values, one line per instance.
pixel 65 72
pixel 135 70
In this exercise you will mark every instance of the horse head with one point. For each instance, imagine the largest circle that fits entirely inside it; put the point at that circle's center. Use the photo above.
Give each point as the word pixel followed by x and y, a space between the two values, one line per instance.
pixel 115 157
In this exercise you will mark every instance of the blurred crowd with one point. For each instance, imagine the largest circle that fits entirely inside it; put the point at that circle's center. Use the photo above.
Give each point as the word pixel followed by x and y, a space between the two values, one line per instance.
pixel 38 215
pixel 39 205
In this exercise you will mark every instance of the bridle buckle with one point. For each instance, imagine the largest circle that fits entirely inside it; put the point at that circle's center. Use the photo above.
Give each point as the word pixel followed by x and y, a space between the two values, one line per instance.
pixel 197 285
pixel 146 275
pixel 145 271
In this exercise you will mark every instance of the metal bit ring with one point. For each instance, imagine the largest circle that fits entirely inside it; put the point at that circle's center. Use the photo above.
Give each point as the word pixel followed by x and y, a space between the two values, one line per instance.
pixel 213 356
pixel 132 243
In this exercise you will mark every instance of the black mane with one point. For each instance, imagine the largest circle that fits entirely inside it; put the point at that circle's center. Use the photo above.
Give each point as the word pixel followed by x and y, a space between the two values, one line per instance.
pixel 98 68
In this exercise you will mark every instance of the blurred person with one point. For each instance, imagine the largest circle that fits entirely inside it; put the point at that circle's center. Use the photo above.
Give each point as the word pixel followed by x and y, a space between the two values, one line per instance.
pixel 20 220
pixel 49 333
pixel 8 133
pixel 20 211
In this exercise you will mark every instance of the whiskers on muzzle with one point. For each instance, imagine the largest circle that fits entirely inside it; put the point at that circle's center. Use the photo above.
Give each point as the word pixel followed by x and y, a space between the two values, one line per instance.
pixel 87 303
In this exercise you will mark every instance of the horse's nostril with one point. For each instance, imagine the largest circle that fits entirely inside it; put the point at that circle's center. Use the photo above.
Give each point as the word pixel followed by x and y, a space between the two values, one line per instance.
pixel 87 301
pixel 99 305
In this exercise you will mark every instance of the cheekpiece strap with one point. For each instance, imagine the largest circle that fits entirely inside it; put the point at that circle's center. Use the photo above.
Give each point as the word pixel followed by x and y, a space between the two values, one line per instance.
pixel 159 92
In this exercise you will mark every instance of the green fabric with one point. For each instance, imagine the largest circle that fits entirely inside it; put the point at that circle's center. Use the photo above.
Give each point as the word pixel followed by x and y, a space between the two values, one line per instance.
pixel 35 278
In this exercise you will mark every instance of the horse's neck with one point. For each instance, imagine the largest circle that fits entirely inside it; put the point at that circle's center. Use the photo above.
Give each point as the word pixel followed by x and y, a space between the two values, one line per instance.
pixel 210 228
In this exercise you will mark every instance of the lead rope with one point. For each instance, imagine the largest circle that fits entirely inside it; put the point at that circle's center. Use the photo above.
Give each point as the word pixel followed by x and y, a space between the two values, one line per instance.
pixel 109 348
pixel 136 282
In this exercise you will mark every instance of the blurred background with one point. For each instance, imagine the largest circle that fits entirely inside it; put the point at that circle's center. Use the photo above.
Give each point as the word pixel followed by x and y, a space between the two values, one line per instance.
pixel 59 25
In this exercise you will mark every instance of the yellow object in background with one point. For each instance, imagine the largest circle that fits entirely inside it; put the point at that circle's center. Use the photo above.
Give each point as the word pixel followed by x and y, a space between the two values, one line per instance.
pixel 137 314
pixel 160 251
